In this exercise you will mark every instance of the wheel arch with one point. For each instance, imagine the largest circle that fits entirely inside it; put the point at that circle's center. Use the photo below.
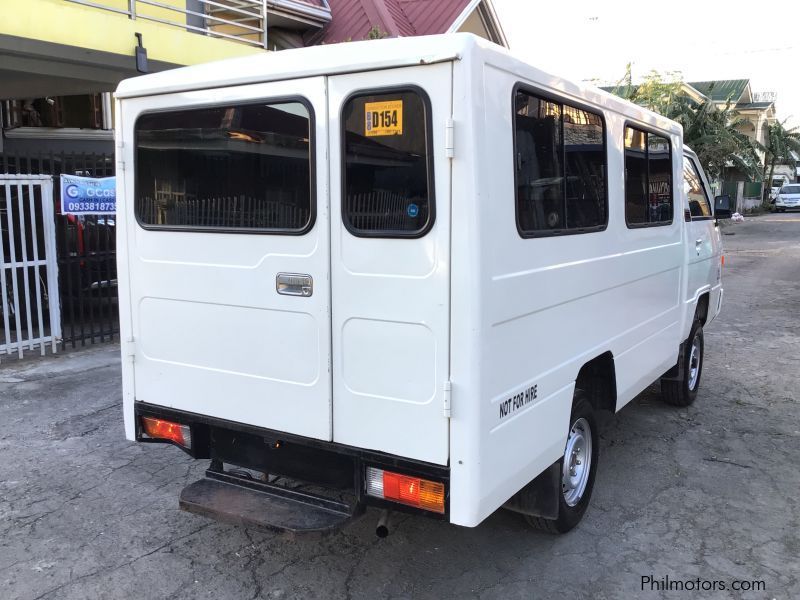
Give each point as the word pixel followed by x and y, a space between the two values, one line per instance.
pixel 701 311
pixel 598 378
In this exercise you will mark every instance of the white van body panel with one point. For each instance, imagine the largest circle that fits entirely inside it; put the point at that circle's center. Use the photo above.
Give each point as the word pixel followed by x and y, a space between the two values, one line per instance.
pixel 211 334
pixel 547 305
pixel 391 299
pixel 703 258
pixel 471 303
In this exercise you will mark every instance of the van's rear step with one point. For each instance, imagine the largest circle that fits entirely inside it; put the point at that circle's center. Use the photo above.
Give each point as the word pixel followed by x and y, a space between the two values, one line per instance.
pixel 260 505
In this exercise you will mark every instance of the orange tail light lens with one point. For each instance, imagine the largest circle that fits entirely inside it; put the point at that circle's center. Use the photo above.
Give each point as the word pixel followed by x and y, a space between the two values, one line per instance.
pixel 412 491
pixel 159 429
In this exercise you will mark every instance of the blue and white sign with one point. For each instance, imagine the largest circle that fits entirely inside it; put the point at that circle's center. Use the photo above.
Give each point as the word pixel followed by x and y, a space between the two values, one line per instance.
pixel 88 196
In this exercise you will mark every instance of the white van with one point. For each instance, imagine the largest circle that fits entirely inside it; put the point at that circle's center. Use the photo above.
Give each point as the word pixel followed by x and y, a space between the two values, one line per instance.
pixel 405 271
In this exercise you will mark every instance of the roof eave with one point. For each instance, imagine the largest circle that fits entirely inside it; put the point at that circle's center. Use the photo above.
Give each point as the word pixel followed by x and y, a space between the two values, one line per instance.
pixel 489 14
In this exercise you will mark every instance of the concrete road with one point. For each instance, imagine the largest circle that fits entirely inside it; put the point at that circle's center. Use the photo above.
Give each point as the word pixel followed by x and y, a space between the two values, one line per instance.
pixel 708 493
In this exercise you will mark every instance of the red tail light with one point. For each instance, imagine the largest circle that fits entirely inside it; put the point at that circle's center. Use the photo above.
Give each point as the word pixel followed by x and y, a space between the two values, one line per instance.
pixel 159 429
pixel 412 491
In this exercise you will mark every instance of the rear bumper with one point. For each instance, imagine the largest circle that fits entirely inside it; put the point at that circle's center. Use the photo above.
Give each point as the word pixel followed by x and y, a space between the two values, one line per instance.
pixel 336 467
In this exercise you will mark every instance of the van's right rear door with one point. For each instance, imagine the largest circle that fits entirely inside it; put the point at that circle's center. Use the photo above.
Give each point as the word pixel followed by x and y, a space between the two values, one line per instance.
pixel 390 259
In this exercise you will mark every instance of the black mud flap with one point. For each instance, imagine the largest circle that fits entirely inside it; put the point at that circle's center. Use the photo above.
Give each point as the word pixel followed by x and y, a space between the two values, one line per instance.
pixel 540 497
pixel 258 505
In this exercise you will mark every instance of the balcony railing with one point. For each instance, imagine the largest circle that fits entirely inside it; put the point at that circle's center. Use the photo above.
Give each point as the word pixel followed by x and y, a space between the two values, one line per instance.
pixel 239 20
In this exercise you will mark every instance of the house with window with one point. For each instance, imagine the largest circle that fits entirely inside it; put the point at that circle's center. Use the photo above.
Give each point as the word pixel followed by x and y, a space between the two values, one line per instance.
pixel 757 112
pixel 60 60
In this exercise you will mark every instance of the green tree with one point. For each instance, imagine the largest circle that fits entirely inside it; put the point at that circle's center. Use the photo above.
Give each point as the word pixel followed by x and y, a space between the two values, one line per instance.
pixel 376 33
pixel 712 132
pixel 781 142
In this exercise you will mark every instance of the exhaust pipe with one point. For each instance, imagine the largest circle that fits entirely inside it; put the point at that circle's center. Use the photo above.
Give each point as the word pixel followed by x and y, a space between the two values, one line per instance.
pixel 382 528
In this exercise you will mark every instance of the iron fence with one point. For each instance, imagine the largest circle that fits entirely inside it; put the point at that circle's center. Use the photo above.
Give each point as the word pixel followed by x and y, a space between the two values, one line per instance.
pixel 85 248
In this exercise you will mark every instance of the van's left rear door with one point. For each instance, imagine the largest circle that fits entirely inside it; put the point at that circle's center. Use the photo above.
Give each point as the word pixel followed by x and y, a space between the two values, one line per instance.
pixel 227 212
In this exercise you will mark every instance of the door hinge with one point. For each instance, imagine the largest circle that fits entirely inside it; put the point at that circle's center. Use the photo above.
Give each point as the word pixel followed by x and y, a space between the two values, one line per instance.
pixel 448 392
pixel 129 349
pixel 449 139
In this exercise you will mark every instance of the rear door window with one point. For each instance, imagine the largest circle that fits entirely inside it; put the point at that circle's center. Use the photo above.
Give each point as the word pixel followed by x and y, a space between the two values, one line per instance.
pixel 388 170
pixel 226 168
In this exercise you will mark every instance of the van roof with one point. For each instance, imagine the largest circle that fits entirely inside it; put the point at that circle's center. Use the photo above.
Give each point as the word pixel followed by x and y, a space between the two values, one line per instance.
pixel 326 59
pixel 353 57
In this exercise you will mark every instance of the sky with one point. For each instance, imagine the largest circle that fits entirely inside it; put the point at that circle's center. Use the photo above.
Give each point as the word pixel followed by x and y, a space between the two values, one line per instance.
pixel 585 40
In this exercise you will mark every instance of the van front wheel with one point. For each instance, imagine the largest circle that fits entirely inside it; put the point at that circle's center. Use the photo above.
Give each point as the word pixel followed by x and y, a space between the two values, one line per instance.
pixel 684 391
pixel 577 466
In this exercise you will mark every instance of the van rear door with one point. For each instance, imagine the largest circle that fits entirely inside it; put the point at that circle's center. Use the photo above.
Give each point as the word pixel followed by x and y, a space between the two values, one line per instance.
pixel 390 240
pixel 229 269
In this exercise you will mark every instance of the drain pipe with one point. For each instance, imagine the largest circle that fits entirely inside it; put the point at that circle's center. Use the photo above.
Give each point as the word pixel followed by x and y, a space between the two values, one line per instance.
pixel 382 528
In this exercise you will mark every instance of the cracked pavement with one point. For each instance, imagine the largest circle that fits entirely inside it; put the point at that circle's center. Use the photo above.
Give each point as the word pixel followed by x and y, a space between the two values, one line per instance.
pixel 710 491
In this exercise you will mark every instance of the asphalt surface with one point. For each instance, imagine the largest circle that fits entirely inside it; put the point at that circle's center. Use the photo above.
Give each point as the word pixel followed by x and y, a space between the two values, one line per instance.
pixel 708 493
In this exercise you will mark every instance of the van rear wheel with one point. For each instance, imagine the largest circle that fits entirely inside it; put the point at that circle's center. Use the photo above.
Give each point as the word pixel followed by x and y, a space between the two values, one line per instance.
pixel 578 467
pixel 684 391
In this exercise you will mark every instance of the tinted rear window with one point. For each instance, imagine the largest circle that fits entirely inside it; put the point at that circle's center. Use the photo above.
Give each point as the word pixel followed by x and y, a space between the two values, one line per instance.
pixel 235 167
pixel 790 189
pixel 388 175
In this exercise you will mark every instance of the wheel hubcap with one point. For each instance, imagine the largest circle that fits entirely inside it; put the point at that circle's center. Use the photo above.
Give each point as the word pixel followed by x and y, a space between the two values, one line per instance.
pixel 577 462
pixel 694 363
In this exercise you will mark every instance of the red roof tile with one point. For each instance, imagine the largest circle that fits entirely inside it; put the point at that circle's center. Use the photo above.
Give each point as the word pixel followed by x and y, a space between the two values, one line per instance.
pixel 353 19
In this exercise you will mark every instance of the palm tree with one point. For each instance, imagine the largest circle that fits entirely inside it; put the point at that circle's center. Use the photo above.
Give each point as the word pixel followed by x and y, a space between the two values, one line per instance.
pixel 714 133
pixel 780 144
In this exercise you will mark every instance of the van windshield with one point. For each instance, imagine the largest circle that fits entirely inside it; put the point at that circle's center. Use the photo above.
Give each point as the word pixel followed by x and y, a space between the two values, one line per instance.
pixel 790 189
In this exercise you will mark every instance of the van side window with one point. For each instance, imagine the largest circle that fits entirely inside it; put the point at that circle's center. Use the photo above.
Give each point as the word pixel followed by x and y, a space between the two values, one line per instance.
pixel 226 168
pixel 699 205
pixel 560 168
pixel 648 179
pixel 388 171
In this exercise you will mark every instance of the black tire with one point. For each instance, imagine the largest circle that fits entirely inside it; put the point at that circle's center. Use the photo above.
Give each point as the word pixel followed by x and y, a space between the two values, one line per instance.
pixel 570 515
pixel 684 391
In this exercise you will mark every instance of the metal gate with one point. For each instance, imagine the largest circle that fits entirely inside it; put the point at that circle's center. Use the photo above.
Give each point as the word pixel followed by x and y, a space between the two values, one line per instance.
pixel 85 250
pixel 29 299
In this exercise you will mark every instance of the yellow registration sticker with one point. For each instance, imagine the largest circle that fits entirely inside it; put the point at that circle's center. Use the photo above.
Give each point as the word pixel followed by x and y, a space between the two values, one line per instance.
pixel 383 118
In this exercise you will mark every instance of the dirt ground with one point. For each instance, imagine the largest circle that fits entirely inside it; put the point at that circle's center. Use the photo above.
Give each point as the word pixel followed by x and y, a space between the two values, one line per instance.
pixel 705 494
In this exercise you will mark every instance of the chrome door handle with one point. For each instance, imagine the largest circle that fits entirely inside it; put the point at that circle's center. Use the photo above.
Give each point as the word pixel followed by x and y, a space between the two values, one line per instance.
pixel 698 244
pixel 294 284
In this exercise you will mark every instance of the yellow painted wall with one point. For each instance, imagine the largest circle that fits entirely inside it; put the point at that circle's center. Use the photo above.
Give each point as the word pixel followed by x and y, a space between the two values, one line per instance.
pixel 63 22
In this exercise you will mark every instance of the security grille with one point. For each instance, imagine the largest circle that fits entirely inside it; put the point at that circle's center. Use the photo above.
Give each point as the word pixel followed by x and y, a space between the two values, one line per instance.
pixel 85 250
pixel 29 299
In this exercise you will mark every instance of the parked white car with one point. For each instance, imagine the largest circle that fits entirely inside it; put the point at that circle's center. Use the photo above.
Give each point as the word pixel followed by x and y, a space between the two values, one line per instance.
pixel 788 197
pixel 411 270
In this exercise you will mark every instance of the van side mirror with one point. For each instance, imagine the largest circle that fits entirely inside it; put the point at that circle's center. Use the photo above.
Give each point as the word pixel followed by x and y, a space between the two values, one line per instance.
pixel 722 207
